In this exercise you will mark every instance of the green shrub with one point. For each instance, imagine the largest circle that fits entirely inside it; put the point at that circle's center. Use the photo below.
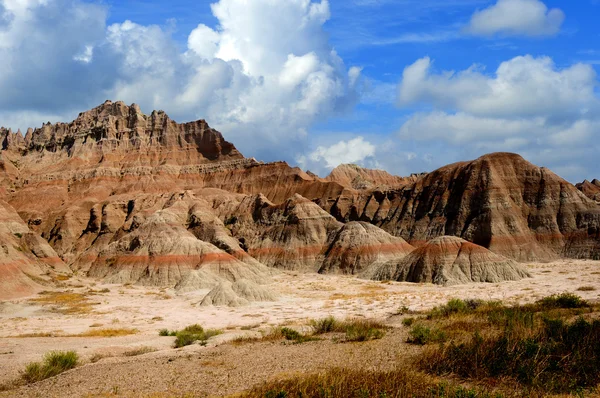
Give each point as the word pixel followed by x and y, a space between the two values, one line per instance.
pixel 554 355
pixel 420 334
pixel 363 330
pixel 54 363
pixel 455 306
pixel 408 322
pixel 326 325
pixel 564 300
pixel 190 335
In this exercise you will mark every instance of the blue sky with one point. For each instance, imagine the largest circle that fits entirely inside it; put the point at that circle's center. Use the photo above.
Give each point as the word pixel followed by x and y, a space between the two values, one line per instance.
pixel 402 85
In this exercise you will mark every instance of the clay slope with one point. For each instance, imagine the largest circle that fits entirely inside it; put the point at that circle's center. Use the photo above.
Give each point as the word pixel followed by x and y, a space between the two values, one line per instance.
pixel 451 261
pixel 293 235
pixel 590 189
pixel 27 262
pixel 499 201
pixel 359 178
pixel 358 246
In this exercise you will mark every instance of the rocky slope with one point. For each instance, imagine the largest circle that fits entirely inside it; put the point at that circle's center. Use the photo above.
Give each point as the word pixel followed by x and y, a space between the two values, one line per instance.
pixel 27 263
pixel 136 198
pixel 499 201
pixel 590 189
pixel 449 260
pixel 356 177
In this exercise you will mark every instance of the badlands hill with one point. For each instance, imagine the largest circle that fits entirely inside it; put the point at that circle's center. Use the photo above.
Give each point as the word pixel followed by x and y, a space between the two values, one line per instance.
pixel 134 198
pixel 590 189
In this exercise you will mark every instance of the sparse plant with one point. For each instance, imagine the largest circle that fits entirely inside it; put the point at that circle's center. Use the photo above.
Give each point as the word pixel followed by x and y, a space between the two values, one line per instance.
pixel 54 363
pixel 190 335
pixel 326 325
pixel 587 289
pixel 364 330
pixel 564 300
pixel 421 335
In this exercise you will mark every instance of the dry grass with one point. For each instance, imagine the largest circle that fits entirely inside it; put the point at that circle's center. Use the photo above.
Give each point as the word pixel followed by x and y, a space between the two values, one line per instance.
pixel 65 303
pixel 106 333
pixel 54 363
pixel 399 383
pixel 550 346
pixel 91 333
pixel 586 289
pixel 139 351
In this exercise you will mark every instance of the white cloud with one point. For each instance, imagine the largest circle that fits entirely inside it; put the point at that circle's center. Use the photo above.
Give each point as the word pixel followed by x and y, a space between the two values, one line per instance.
pixel 528 105
pixel 516 18
pixel 263 76
pixel 325 158
pixel 523 87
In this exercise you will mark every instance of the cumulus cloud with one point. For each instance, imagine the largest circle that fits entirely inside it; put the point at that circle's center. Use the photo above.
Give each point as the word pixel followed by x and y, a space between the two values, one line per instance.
pixel 516 18
pixel 529 105
pixel 325 158
pixel 522 86
pixel 264 75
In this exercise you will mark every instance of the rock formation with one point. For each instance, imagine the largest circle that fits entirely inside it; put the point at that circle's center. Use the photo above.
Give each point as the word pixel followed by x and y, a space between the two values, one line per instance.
pixel 499 201
pixel 27 262
pixel 590 189
pixel 358 246
pixel 359 178
pixel 451 261
pixel 128 197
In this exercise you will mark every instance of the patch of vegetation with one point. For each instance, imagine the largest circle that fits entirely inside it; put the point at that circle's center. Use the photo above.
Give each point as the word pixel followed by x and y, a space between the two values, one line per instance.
pixel 54 363
pixel 139 351
pixel 107 333
pixel 546 346
pixel 356 383
pixel 66 303
pixel 587 289
pixel 355 329
pixel 190 335
pixel 18 235
pixel 364 330
pixel 456 306
pixel 408 322
pixel 422 335
pixel 326 325
pixel 564 300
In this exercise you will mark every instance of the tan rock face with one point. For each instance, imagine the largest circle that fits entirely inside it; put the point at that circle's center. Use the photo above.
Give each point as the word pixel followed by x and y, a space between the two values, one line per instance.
pixel 356 177
pixel 590 189
pixel 499 201
pixel 359 245
pixel 27 262
pixel 451 261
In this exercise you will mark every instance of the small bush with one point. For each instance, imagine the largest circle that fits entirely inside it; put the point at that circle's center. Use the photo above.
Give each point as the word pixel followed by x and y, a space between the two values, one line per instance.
pixel 364 330
pixel 564 300
pixel 586 289
pixel 554 356
pixel 362 383
pixel 421 335
pixel 190 335
pixel 326 325
pixel 408 322
pixel 54 363
pixel 455 306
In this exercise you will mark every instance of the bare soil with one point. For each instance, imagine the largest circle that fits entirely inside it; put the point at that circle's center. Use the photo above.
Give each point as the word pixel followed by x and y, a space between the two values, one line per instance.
pixel 222 368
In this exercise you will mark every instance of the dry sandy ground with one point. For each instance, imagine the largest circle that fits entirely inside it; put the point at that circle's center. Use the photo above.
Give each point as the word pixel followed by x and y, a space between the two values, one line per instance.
pixel 224 368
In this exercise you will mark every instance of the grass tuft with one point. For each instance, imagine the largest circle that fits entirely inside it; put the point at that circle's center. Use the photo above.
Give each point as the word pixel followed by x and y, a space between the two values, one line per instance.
pixel 54 363
pixel 190 335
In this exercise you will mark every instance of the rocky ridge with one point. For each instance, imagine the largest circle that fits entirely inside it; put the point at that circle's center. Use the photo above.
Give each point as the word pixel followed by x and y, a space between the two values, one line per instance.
pixel 134 198
pixel 590 189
